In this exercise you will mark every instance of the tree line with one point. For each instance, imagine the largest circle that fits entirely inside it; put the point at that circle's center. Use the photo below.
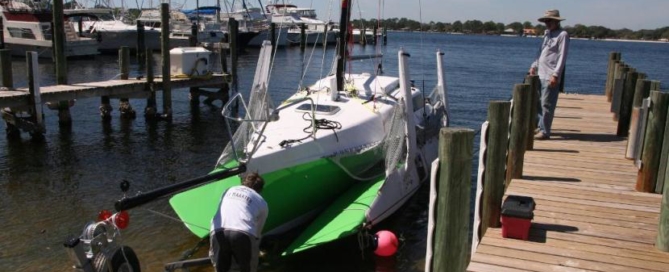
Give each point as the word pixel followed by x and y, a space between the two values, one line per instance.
pixel 496 28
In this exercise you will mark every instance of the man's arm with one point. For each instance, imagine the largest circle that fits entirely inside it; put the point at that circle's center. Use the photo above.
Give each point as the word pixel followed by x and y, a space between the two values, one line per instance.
pixel 562 59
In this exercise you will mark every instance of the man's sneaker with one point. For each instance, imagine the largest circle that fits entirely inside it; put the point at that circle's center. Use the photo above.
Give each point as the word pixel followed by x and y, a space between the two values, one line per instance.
pixel 537 130
pixel 541 136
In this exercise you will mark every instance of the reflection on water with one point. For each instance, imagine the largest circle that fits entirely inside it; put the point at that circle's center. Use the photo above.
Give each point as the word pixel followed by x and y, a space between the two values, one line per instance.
pixel 50 189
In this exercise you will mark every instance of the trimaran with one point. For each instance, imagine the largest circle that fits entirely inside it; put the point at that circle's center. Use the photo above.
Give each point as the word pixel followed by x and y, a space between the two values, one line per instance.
pixel 342 154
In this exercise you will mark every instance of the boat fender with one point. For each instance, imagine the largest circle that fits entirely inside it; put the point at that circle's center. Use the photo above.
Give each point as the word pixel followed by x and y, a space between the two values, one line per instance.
pixel 386 243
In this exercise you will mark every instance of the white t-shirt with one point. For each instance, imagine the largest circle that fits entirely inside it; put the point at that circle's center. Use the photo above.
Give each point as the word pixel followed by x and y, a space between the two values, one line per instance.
pixel 241 209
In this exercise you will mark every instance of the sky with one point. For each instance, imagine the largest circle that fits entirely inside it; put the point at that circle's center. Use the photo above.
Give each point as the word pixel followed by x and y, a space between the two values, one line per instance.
pixel 614 14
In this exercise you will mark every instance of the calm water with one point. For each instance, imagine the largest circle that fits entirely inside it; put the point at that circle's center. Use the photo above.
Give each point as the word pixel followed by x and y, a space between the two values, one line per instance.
pixel 50 190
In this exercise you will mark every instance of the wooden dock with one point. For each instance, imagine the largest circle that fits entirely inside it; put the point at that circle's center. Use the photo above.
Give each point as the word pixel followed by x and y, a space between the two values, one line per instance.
pixel 133 88
pixel 588 215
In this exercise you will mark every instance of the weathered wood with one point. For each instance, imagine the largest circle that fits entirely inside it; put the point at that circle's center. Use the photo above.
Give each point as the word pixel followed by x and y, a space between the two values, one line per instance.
pixel 650 156
pixel 588 215
pixel 641 91
pixel 272 29
pixel 151 109
pixel 234 57
pixel 625 114
pixel 518 136
pixel 363 36
pixel 385 35
pixel 35 99
pixel 535 89
pixel 124 63
pixel 608 89
pixel 2 32
pixel 64 116
pixel 303 37
pixel 494 175
pixel 165 53
pixel 451 247
pixel 6 68
pixel 618 84
pixel 375 32
pixel 192 40
pixel 664 160
pixel 662 242
pixel 141 43
pixel 655 85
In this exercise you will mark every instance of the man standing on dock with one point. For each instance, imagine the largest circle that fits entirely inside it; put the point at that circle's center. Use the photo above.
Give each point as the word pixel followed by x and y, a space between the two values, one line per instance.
pixel 549 65
pixel 237 226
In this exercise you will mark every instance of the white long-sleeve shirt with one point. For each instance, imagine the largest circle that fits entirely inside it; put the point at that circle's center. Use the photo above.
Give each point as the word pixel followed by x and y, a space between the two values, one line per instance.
pixel 241 209
pixel 553 54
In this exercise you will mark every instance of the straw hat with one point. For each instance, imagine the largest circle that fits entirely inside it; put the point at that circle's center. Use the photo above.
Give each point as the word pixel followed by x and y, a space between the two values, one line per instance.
pixel 552 14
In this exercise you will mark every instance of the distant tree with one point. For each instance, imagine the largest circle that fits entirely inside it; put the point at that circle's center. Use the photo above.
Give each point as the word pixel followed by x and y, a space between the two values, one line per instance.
pixel 457 26
pixel 440 27
pixel 516 26
pixel 472 26
pixel 539 29
pixel 527 24
pixel 490 27
pixel 500 27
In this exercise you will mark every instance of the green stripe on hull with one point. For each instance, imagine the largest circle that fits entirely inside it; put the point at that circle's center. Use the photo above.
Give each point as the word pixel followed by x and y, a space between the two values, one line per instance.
pixel 341 219
pixel 290 193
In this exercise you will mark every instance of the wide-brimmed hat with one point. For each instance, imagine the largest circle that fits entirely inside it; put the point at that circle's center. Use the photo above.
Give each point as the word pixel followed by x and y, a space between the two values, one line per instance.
pixel 552 14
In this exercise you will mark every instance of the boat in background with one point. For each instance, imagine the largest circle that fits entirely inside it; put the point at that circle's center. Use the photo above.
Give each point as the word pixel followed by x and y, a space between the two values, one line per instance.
pixel 110 32
pixel 289 15
pixel 181 28
pixel 28 28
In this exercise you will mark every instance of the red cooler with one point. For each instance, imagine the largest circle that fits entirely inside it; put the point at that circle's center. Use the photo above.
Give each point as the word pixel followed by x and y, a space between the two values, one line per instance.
pixel 517 215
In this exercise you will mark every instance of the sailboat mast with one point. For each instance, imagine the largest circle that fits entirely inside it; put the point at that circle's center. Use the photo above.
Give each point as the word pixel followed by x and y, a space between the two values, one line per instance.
pixel 343 34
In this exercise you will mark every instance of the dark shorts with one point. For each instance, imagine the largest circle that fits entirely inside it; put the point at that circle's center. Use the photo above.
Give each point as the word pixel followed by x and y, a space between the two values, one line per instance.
pixel 228 244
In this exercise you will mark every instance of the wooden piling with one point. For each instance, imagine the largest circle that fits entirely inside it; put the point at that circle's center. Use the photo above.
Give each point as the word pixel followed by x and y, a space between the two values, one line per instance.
pixel 272 29
pixel 124 63
pixel 2 32
pixel 303 37
pixel 650 156
pixel 234 56
pixel 165 53
pixel 618 86
pixel 6 68
pixel 141 44
pixel 655 85
pixel 151 109
pixel 325 35
pixel 495 166
pixel 517 142
pixel 608 89
pixel 664 159
pixel 64 117
pixel 35 101
pixel 625 114
pixel 451 247
pixel 641 91
pixel 8 82
pixel 385 35
pixel 192 40
pixel 535 90
pixel 376 30
pixel 363 36
pixel 662 242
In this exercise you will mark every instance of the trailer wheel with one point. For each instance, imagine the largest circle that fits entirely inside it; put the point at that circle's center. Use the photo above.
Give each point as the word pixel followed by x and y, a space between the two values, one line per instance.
pixel 116 259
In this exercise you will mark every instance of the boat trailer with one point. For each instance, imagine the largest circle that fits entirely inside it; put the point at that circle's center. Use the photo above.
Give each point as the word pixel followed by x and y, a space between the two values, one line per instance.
pixel 97 248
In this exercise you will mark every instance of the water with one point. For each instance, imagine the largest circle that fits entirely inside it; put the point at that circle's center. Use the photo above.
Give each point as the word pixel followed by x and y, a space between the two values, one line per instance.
pixel 49 190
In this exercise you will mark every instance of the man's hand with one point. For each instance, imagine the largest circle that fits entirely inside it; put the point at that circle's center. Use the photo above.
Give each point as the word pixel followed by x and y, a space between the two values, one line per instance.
pixel 553 81
pixel 531 71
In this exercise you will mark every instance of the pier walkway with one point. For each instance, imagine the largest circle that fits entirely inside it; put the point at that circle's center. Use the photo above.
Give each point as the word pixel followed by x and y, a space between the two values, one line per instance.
pixel 133 88
pixel 588 215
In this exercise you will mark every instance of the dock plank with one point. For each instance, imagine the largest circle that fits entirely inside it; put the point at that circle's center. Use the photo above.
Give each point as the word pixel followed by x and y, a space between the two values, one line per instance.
pixel 588 216
pixel 116 87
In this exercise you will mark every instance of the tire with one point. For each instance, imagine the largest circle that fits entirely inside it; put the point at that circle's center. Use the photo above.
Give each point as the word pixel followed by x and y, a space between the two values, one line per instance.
pixel 116 259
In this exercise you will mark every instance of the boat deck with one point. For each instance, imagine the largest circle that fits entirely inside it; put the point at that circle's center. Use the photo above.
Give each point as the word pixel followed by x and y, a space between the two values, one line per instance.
pixel 588 215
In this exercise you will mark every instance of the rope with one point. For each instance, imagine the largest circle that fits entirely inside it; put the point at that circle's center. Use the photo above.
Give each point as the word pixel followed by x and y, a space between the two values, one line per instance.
pixel 319 124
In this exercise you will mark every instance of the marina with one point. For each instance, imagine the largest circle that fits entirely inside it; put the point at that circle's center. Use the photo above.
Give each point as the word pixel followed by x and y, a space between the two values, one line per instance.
pixel 188 140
